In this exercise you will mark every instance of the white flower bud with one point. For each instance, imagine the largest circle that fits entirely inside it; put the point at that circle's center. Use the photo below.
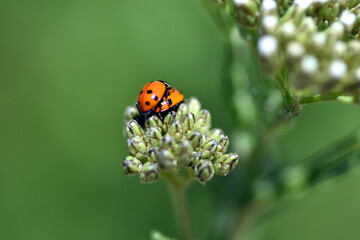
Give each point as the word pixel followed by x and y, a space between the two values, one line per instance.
pixel 240 2
pixel 337 30
pixel 269 23
pixel 339 48
pixel 319 39
pixel 303 3
pixel 308 25
pixel 288 29
pixel 348 19
pixel 337 68
pixel 309 64
pixel 267 45
pixel 295 50
pixel 268 5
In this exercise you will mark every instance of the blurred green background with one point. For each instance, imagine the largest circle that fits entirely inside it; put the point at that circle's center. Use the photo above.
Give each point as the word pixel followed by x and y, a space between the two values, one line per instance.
pixel 68 69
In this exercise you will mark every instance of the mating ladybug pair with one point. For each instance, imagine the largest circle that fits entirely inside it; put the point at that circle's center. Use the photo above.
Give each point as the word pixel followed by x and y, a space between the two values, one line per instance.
pixel 159 98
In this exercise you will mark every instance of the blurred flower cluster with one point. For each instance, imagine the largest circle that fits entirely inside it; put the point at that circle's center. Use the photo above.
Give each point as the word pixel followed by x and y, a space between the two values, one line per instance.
pixel 181 145
pixel 315 43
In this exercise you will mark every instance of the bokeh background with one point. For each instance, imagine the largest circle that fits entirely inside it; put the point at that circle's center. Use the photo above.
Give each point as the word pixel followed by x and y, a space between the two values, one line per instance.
pixel 68 69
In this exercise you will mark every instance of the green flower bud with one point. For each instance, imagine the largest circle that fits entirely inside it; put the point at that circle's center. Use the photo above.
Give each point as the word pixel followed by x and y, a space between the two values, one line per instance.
pixel 167 160
pixel 194 138
pixel 209 149
pixel 204 121
pixel 182 111
pixel 131 165
pixel 133 129
pixel 152 154
pixel 195 159
pixel 168 120
pixel 226 163
pixel 137 147
pixel 184 152
pixel 131 113
pixel 204 171
pixel 153 121
pixel 153 135
pixel 175 130
pixel 167 142
pixel 149 172
pixel 216 133
pixel 194 106
pixel 223 143
pixel 188 122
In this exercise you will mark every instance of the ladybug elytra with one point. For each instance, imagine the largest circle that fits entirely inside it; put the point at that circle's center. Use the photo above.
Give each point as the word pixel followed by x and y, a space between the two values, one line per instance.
pixel 158 97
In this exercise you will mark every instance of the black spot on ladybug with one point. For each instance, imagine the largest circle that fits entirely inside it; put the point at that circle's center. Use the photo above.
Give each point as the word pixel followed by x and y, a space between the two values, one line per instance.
pixel 149 91
pixel 155 97
pixel 169 101
pixel 147 103
pixel 167 93
pixel 141 92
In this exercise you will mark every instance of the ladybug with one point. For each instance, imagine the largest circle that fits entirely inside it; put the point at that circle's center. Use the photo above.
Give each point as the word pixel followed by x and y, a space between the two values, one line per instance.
pixel 158 97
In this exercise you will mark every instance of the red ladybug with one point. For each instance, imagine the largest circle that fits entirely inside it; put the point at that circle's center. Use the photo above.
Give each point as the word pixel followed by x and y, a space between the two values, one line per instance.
pixel 158 97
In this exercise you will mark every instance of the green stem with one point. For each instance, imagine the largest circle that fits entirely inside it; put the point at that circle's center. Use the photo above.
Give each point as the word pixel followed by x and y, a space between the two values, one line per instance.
pixel 326 98
pixel 281 78
pixel 178 188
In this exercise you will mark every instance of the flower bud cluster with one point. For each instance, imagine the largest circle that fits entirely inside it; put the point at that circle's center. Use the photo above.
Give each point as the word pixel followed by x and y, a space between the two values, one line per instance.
pixel 182 141
pixel 317 41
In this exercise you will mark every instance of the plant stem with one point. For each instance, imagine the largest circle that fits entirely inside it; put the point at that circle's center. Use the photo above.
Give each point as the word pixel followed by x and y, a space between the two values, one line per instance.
pixel 178 188
pixel 326 98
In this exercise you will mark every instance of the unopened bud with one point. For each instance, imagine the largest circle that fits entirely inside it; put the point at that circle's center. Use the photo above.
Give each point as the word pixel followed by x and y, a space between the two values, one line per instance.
pixel 167 142
pixel 288 30
pixel 167 160
pixel 152 154
pixel 153 135
pixel 309 64
pixel 348 19
pixel 169 118
pixel 133 129
pixel 188 122
pixel 339 49
pixel 295 50
pixel 194 139
pixel 182 110
pixel 131 165
pixel 137 147
pixel 336 30
pixel 216 133
pixel 149 172
pixel 183 152
pixel 223 144
pixel 267 46
pixel 194 106
pixel 153 121
pixel 204 121
pixel 269 7
pixel 204 171
pixel 131 113
pixel 337 69
pixel 175 130
pixel 269 24
pixel 226 163
pixel 209 149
